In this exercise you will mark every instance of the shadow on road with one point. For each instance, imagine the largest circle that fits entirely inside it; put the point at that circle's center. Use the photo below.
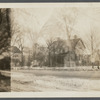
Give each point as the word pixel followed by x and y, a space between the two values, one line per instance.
pixel 5 84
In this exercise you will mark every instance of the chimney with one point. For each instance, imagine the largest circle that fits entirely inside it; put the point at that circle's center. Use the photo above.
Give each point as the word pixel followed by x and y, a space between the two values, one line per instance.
pixel 75 37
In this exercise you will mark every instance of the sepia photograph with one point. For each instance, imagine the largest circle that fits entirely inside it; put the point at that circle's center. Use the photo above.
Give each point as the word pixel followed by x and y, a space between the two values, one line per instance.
pixel 50 48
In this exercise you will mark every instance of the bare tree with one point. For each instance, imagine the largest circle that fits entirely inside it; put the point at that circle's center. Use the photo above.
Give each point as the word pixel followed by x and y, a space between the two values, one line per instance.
pixel 18 40
pixel 69 17
pixel 49 43
pixel 55 47
pixel 95 44
pixel 58 48
pixel 20 43
pixel 92 43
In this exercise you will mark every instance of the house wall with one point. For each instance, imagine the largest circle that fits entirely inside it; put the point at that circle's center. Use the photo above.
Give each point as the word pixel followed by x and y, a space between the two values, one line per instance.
pixel 26 59
pixel 69 63
pixel 69 60
pixel 15 59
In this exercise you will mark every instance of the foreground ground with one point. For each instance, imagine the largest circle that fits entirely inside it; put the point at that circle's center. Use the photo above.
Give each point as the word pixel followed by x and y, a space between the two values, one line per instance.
pixel 4 84
pixel 49 80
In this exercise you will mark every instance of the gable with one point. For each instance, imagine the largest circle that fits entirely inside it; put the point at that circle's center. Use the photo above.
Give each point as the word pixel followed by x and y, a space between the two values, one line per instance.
pixel 74 42
pixel 80 47
pixel 14 49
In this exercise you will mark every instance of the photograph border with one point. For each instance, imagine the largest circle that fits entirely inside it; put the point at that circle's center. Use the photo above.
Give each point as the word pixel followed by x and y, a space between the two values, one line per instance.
pixel 56 94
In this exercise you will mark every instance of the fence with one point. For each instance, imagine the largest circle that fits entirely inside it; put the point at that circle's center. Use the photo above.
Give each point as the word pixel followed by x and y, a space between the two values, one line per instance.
pixel 79 68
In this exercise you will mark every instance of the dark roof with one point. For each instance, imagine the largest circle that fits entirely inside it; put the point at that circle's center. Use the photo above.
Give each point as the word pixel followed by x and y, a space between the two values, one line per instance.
pixel 14 49
pixel 74 42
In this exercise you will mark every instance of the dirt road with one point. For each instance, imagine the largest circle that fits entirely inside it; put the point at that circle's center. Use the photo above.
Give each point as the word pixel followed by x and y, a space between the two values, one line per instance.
pixel 64 74
pixel 47 80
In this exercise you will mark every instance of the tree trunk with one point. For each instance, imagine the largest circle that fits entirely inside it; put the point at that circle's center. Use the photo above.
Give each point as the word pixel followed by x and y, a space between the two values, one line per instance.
pixel 8 11
pixel 49 58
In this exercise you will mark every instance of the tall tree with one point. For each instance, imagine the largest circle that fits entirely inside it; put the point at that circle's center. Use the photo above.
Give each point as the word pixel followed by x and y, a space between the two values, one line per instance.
pixel 69 17
pixel 50 43
pixel 55 47
pixel 93 43
pixel 5 37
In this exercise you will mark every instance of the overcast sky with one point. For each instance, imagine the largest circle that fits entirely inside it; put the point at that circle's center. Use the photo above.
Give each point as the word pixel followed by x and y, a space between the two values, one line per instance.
pixel 43 23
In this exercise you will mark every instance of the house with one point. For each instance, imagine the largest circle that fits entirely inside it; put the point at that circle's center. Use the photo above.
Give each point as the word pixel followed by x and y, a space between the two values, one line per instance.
pixel 15 56
pixel 19 58
pixel 27 53
pixel 73 55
